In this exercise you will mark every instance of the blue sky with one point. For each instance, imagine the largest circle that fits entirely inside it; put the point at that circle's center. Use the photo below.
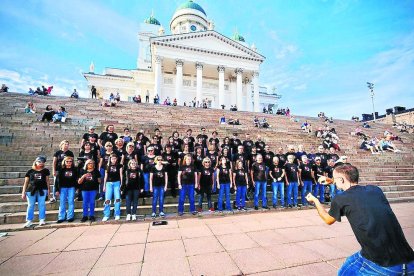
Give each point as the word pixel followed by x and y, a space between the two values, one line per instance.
pixel 319 53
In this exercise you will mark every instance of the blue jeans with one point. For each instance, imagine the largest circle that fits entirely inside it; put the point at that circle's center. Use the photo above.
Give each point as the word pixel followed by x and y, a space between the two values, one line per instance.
pixel 88 203
pixel 260 185
pixel 278 187
pixel 307 187
pixel 112 189
pixel 358 265
pixel 332 191
pixel 319 190
pixel 132 201
pixel 31 201
pixel 186 189
pixel 292 188
pixel 241 196
pixel 201 198
pixel 66 194
pixel 157 195
pixel 146 181
pixel 224 189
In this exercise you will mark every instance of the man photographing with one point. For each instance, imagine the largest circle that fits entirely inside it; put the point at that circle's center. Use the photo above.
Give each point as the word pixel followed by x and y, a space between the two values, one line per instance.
pixel 385 251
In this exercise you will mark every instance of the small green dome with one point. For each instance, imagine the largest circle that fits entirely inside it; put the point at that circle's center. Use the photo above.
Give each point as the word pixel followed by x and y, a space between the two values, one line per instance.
pixel 152 20
pixel 191 5
pixel 238 37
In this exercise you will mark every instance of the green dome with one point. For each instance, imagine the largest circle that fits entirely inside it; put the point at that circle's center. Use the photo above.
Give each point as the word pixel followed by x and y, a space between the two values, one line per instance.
pixel 191 5
pixel 152 20
pixel 238 37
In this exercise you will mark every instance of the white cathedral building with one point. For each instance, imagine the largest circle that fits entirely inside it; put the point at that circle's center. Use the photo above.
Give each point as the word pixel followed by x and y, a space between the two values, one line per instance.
pixel 193 62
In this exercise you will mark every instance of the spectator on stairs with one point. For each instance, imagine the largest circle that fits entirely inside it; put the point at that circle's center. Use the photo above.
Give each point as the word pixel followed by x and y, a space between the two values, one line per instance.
pixel 368 145
pixel 222 120
pixel 65 189
pixel 35 189
pixel 48 114
pixel 30 108
pixel 4 88
pixel 117 97
pixel 31 92
pixel 60 116
pixel 137 99
pixel 75 94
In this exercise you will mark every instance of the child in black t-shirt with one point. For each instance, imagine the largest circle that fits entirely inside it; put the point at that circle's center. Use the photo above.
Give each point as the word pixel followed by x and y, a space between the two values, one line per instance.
pixel 133 186
pixel 240 180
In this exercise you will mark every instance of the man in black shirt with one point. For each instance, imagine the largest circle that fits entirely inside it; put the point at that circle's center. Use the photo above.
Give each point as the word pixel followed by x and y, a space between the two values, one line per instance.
pixel 322 155
pixel 281 156
pixel 248 144
pixel 385 251
pixel 260 144
pixel 107 136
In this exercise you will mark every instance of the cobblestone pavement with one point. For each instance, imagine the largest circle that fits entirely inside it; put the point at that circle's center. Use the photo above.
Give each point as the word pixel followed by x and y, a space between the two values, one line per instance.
pixel 262 243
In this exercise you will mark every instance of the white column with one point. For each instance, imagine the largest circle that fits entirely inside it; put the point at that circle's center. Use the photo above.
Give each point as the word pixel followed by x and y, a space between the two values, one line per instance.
pixel 239 89
pixel 256 91
pixel 249 102
pixel 199 94
pixel 158 77
pixel 179 81
pixel 221 69
pixel 244 97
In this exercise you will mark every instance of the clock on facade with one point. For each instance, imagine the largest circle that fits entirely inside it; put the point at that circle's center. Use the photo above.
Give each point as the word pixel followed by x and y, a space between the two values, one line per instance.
pixel 193 28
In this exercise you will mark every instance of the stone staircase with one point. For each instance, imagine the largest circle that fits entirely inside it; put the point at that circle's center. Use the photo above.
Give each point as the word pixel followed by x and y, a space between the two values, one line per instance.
pixel 23 137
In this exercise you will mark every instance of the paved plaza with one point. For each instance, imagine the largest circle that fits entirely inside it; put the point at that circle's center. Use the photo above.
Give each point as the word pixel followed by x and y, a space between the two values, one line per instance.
pixel 262 243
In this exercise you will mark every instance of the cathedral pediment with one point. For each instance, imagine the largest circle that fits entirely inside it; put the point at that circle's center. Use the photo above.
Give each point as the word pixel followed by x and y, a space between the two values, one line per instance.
pixel 210 42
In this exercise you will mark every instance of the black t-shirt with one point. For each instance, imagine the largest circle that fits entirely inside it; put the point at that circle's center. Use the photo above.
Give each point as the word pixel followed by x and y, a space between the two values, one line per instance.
pixel 87 135
pixel 113 173
pixel 91 183
pixel 139 148
pixel 317 171
pixel 248 144
pixel 108 137
pixel 37 180
pixel 60 155
pixel 157 148
pixel 374 224
pixel 133 179
pixel 242 157
pixel 306 171
pixel 68 178
pixel 291 172
pixel 105 159
pixel 324 158
pixel 177 144
pixel 282 159
pixel 268 158
pixel 333 156
pixel 89 156
pixel 198 162
pixel 276 171
pixel 213 158
pixel 240 177
pixel 128 157
pixel 191 142
pixel 252 159
pixel 217 140
pixel 158 177
pixel 224 176
pixel 187 175
pixel 235 143
pixel 206 178
pixel 329 171
pixel 260 146
pixel 172 161
pixel 259 171
pixel 148 163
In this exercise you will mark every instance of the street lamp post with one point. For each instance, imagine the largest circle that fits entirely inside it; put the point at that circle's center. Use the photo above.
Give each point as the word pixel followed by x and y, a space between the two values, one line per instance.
pixel 371 88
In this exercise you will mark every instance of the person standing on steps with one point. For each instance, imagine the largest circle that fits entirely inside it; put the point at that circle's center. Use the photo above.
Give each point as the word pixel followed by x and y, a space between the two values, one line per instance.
pixel 112 185
pixel 35 189
pixel 89 183
pixel 187 181
pixel 259 176
pixel 158 183
pixel 57 164
pixel 147 97
pixel 65 189
pixel 133 187
pixel 384 249
pixel 93 92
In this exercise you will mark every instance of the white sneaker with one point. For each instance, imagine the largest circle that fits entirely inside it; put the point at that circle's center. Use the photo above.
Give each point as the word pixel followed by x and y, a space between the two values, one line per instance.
pixel 117 217
pixel 105 218
pixel 28 224
pixel 128 217
pixel 134 217
pixel 42 222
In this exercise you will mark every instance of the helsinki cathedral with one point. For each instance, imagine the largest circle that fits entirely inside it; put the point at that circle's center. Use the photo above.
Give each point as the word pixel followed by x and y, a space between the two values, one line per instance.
pixel 193 62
